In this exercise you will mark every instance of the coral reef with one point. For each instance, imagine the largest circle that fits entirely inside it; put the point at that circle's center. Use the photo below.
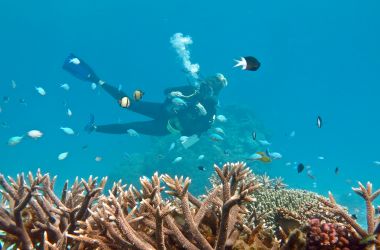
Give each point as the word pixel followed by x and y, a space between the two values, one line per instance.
pixel 240 211
pixel 32 215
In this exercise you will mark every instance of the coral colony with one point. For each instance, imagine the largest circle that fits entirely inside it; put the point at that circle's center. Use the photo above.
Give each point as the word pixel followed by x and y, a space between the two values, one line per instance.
pixel 240 211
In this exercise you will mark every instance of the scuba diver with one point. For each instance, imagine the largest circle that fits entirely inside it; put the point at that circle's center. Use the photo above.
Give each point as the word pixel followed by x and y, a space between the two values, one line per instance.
pixel 187 110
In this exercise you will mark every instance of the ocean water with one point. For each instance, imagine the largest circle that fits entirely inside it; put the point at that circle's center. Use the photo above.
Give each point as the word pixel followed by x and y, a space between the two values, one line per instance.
pixel 317 58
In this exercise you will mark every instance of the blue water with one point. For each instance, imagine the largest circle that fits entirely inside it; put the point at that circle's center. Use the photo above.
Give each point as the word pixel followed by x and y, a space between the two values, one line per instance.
pixel 318 58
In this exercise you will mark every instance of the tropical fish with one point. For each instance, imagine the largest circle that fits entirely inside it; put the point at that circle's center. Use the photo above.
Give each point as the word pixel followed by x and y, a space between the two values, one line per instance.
pixel 254 135
pixel 227 152
pixel 353 216
pixel 93 86
pixel 132 132
pixel 377 210
pixel 221 118
pixel 288 164
pixel 4 125
pixel 62 156
pixel 248 63
pixel 74 61
pixel 310 174
pixel 274 155
pixel 6 99
pixel 69 112
pixel 67 130
pixel 300 168
pixel 216 137
pixel 219 131
pixel 319 122
pixel 120 87
pixel 377 162
pixel 201 157
pixel 264 142
pixel 264 157
pixel 138 94
pixel 176 160
pixel 13 84
pixel 35 134
pixel 254 157
pixel 172 145
pixel 40 91
pixel 202 168
pixel 65 86
pixel 22 101
pixel 125 102
pixel 336 171
pixel 98 158
pixel 292 134
pixel 201 109
pixel 15 140
pixel 321 157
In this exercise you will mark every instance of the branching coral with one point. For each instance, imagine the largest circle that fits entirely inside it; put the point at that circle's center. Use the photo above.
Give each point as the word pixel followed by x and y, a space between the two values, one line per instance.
pixel 32 215
pixel 181 222
pixel 165 215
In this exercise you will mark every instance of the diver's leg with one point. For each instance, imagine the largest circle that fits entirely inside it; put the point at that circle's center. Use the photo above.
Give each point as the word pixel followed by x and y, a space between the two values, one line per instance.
pixel 155 127
pixel 149 109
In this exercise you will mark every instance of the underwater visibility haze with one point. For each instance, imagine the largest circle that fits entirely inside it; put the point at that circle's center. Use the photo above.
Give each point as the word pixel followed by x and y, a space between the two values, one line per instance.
pixel 298 103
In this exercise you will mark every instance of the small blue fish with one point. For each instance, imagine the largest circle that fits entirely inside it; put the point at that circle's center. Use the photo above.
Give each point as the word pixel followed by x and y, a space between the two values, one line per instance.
pixel 254 157
pixel 15 140
pixel 219 131
pixel 216 137
pixel 319 122
pixel 172 145
pixel 176 160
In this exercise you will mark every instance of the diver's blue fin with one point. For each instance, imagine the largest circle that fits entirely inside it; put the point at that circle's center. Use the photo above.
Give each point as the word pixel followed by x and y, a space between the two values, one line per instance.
pixel 90 127
pixel 78 68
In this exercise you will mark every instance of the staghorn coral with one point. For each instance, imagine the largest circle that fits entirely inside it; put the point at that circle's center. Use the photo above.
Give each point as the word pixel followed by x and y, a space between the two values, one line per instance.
pixel 144 219
pixel 33 215
pixel 165 215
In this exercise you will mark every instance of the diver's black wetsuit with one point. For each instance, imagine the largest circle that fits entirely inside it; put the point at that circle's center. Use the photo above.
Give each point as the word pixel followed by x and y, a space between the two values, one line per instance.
pixel 188 120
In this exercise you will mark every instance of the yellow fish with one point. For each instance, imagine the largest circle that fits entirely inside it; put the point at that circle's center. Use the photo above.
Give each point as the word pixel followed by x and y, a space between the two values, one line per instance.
pixel 264 157
pixel 137 95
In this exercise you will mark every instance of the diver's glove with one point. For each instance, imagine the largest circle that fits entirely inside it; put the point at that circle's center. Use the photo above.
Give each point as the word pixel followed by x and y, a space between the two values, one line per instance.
pixel 78 68
pixel 90 127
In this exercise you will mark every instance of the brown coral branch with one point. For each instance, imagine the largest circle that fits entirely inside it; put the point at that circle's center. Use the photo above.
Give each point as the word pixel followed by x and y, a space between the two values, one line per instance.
pixel 126 229
pixel 204 206
pixel 180 188
pixel 368 196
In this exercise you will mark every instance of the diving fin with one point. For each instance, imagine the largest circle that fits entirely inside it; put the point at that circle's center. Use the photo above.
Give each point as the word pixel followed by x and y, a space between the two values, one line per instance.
pixel 78 68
